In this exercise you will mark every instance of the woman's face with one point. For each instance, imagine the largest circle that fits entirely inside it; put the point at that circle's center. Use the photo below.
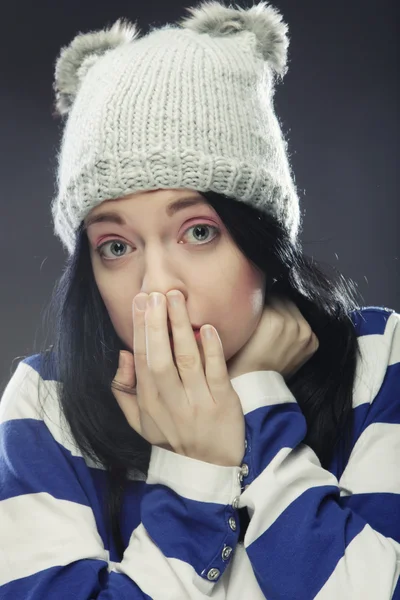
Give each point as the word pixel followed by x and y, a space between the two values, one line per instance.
pixel 157 250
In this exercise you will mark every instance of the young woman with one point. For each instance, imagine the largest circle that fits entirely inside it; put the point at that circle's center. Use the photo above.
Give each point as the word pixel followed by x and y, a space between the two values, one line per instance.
pixel 141 457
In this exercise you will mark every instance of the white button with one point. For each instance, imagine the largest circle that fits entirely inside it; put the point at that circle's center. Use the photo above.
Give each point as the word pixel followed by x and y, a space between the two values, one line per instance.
pixel 245 444
pixel 232 523
pixel 235 502
pixel 244 470
pixel 213 574
pixel 226 552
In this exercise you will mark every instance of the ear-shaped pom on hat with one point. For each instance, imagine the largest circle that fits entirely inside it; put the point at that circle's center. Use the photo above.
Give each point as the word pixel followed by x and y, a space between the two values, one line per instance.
pixel 75 60
pixel 262 20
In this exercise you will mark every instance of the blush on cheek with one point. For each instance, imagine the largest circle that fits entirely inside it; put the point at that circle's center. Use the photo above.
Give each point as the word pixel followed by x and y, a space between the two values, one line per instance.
pixel 257 301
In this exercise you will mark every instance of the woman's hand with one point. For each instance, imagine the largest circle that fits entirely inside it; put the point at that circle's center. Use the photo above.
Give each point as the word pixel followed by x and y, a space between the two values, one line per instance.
pixel 283 341
pixel 182 408
pixel 129 392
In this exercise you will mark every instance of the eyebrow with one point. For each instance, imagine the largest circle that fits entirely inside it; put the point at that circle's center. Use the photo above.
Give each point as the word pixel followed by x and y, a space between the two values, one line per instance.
pixel 171 209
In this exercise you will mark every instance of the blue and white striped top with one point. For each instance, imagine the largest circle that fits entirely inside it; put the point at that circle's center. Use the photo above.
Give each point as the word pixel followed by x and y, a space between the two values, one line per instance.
pixel 312 533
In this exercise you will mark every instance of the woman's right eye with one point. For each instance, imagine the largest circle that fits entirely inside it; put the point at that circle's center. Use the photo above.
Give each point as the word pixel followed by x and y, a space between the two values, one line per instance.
pixel 100 249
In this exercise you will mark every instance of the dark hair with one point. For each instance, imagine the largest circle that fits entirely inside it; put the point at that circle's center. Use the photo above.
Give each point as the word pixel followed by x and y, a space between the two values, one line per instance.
pixel 86 348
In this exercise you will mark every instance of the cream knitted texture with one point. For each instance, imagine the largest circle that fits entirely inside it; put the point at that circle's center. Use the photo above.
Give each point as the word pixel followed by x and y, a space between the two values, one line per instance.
pixel 174 109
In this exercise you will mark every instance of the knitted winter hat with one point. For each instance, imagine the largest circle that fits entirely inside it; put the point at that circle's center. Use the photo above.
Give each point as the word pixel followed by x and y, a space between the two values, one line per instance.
pixel 185 106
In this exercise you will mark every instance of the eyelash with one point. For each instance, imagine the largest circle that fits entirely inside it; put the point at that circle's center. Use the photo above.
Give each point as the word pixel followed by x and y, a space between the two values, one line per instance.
pixel 99 249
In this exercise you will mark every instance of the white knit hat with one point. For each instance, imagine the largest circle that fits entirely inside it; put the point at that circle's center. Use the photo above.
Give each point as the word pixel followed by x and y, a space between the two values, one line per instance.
pixel 185 106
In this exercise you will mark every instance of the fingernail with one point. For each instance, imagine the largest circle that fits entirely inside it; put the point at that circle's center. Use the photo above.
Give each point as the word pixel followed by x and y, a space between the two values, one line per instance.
pixel 154 300
pixel 208 332
pixel 173 299
pixel 141 302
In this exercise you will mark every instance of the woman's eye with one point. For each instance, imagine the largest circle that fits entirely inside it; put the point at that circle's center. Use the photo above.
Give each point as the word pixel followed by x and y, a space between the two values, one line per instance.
pixel 199 231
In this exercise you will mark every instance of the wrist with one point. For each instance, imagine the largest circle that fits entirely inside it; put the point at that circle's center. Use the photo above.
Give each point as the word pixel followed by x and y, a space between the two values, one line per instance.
pixel 218 462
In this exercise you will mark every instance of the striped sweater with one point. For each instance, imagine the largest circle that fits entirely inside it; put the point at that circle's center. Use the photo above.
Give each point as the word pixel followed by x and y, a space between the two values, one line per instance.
pixel 312 533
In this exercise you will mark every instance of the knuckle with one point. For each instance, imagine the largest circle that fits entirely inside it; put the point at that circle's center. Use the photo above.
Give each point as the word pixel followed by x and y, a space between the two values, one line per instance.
pixel 155 325
pixel 216 376
pixel 306 335
pixel 186 362
pixel 294 324
pixel 159 367
pixel 216 381
pixel 312 345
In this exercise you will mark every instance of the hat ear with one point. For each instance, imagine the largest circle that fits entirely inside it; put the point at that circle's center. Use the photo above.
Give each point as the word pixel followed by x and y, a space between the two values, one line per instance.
pixel 262 20
pixel 81 54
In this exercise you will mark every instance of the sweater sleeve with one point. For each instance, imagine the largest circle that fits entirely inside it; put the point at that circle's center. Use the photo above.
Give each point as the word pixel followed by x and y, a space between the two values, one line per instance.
pixel 51 535
pixel 311 536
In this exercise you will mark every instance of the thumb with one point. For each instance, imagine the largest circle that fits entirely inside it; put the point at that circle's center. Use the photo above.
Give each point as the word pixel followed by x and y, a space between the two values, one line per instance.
pixel 126 368
pixel 123 389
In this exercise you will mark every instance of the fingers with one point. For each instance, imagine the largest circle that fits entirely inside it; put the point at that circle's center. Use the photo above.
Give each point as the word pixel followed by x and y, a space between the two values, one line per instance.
pixel 306 334
pixel 215 365
pixel 187 381
pixel 139 337
pixel 158 346
pixel 185 348
pixel 144 381
pixel 187 353
pixel 286 307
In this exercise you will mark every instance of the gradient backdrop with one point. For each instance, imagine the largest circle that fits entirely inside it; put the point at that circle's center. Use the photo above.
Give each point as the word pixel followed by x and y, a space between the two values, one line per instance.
pixel 338 106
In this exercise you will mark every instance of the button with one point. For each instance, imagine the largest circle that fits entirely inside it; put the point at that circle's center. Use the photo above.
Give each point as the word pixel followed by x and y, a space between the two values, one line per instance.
pixel 232 523
pixel 244 471
pixel 226 552
pixel 235 502
pixel 213 574
pixel 245 444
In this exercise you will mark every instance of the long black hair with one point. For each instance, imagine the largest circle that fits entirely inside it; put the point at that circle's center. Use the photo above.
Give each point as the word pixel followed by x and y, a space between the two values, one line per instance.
pixel 86 348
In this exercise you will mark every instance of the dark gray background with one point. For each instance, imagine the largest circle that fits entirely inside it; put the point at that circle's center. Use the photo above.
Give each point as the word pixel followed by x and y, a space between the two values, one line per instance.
pixel 338 106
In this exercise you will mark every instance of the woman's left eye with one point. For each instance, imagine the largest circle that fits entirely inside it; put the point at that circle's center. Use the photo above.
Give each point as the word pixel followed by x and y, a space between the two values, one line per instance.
pixel 204 226
pixel 199 227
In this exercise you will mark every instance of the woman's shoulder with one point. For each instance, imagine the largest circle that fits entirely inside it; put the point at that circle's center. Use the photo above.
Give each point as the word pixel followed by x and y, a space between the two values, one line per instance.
pixel 32 395
pixel 378 333
pixel 43 364
pixel 25 387
pixel 373 320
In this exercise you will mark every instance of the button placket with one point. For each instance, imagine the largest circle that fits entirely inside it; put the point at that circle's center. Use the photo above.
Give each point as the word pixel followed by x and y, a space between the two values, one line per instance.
pixel 244 469
pixel 218 563
pixel 214 573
